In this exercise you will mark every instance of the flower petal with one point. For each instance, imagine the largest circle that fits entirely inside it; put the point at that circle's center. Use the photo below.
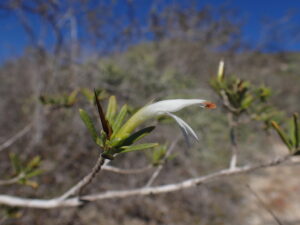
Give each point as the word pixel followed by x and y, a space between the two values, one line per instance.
pixel 162 108
pixel 185 128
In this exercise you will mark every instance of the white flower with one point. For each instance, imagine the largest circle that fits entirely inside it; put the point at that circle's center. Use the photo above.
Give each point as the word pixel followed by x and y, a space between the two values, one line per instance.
pixel 166 107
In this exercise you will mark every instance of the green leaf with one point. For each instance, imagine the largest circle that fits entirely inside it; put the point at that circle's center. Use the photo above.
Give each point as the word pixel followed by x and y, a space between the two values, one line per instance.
pixel 101 94
pixel 88 94
pixel 158 154
pixel 137 136
pixel 247 101
pixel 33 163
pixel 99 141
pixel 72 98
pixel 30 183
pixel 296 130
pixel 291 131
pixel 139 147
pixel 111 109
pixel 264 93
pixel 89 124
pixel 119 119
pixel 282 135
pixel 16 163
pixel 34 173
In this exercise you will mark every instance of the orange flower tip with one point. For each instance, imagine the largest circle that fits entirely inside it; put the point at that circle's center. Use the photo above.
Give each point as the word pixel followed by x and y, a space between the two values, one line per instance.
pixel 210 105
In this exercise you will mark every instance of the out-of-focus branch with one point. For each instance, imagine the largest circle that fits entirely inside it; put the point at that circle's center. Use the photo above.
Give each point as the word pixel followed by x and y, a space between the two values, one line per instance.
pixel 232 126
pixel 233 141
pixel 263 204
pixel 126 171
pixel 76 201
pixel 16 137
pixel 12 180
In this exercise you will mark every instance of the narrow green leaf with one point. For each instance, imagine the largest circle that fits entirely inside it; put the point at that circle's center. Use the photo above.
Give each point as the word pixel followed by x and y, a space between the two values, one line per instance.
pixel 88 94
pixel 35 162
pixel 99 141
pixel 16 163
pixel 34 174
pixel 119 119
pixel 72 98
pixel 291 132
pixel 282 135
pixel 30 183
pixel 137 136
pixel 247 101
pixel 111 109
pixel 296 130
pixel 158 154
pixel 139 147
pixel 89 124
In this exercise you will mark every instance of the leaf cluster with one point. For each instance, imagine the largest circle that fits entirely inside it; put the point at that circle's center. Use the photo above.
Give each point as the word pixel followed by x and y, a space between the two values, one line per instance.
pixel 241 97
pixel 68 100
pixel 112 122
pixel 60 101
pixel 158 155
pixel 291 135
pixel 24 171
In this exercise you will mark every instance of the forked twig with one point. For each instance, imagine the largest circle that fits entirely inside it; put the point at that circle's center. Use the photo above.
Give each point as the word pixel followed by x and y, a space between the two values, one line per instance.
pixel 160 167
pixel 126 171
pixel 76 201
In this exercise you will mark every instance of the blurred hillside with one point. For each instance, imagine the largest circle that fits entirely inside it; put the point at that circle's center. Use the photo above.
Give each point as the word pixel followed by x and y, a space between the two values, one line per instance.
pixel 178 62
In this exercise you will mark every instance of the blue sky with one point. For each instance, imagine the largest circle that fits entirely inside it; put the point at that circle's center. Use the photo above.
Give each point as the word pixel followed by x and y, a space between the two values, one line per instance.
pixel 13 38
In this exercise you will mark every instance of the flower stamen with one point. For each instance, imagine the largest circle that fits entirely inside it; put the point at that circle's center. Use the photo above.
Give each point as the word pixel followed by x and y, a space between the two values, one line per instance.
pixel 209 105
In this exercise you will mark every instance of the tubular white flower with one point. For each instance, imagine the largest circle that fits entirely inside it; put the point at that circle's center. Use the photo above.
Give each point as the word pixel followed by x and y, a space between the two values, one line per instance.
pixel 166 107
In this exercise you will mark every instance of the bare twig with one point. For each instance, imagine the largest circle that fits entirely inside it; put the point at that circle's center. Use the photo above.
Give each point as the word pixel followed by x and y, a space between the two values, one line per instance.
pixel 78 188
pixel 263 204
pixel 12 180
pixel 16 137
pixel 159 168
pixel 226 102
pixel 233 141
pixel 75 201
pixel 126 171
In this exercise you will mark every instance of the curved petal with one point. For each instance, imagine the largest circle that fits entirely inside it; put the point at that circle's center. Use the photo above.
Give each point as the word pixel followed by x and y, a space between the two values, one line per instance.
pixel 185 128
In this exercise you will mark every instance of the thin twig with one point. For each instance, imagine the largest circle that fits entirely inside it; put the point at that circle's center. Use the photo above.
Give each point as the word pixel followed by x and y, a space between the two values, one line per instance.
pixel 14 138
pixel 159 168
pixel 75 201
pixel 233 140
pixel 226 102
pixel 12 180
pixel 126 171
pixel 78 188
pixel 264 205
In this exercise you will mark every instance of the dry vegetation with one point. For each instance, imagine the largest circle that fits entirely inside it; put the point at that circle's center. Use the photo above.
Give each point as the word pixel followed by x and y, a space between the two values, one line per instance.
pixel 177 63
